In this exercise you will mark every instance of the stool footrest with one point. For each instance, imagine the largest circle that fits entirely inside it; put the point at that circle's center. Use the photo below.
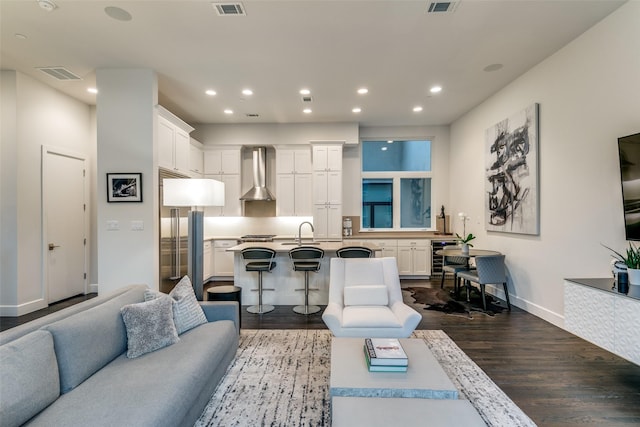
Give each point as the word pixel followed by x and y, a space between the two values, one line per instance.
pixel 311 289
pixel 264 289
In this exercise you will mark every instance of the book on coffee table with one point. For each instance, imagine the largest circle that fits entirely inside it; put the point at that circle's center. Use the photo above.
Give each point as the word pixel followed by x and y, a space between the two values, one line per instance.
pixel 382 368
pixel 385 352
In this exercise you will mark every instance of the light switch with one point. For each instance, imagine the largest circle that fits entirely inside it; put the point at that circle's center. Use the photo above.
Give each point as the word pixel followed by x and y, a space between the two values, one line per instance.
pixel 113 225
pixel 137 225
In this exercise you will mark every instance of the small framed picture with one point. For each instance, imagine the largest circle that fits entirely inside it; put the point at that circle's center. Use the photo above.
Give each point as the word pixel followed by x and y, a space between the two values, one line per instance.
pixel 124 187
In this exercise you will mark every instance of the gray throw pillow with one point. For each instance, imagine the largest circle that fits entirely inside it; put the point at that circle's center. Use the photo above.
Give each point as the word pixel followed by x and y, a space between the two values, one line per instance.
pixel 149 326
pixel 187 313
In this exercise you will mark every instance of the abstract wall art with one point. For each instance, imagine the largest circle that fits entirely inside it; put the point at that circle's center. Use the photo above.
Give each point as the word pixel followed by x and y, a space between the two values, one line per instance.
pixel 511 167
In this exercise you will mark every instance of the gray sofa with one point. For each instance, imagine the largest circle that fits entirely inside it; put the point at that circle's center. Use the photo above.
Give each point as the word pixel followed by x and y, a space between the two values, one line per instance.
pixel 70 368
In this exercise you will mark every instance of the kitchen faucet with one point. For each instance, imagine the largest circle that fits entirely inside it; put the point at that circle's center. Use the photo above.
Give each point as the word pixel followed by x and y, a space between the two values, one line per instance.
pixel 300 231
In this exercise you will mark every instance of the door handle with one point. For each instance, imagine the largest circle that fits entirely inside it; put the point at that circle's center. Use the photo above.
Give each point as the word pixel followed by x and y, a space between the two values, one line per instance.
pixel 52 246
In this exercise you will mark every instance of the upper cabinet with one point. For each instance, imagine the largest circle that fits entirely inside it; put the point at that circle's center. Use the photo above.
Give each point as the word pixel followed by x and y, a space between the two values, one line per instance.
pixel 222 161
pixel 327 157
pixel 224 165
pixel 196 159
pixel 173 141
pixel 293 182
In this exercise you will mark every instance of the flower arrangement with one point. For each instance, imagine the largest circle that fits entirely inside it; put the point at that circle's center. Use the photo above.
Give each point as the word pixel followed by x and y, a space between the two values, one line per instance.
pixel 465 238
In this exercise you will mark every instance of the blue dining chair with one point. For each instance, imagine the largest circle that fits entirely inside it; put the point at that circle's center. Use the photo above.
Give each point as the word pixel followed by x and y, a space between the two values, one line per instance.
pixel 489 270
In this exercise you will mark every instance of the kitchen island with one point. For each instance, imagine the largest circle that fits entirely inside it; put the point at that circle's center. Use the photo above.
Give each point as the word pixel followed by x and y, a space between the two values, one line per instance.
pixel 288 285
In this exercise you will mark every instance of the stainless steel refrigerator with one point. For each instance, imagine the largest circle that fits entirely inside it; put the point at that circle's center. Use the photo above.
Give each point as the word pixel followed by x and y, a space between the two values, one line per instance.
pixel 174 237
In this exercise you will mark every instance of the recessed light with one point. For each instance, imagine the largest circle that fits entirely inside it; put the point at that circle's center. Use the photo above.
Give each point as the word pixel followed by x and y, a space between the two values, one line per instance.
pixel 417 109
pixel 436 89
pixel 20 36
pixel 493 67
pixel 363 91
pixel 247 92
pixel 118 13
pixel 390 141
pixel 307 111
pixel 383 148
pixel 92 90
pixel 228 111
pixel 305 92
pixel 47 5
pixel 211 92
pixel 356 110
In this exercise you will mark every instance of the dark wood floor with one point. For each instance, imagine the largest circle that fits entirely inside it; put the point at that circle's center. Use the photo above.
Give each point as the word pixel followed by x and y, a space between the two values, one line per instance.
pixel 556 378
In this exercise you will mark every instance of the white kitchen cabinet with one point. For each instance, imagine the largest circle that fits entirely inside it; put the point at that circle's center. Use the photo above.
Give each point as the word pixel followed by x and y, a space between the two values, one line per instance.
pixel 327 222
pixel 414 257
pixel 196 158
pixel 293 182
pixel 223 260
pixel 207 261
pixel 173 142
pixel 293 195
pixel 232 204
pixel 327 192
pixel 327 157
pixel 388 248
pixel 222 161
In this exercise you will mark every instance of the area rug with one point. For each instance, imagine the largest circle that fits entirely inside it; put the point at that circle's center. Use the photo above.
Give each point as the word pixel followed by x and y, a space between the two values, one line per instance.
pixel 281 378
pixel 441 300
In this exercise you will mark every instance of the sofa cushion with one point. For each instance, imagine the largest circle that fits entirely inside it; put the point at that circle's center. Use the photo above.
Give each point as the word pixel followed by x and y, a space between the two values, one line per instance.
pixel 369 317
pixel 87 341
pixel 149 326
pixel 366 295
pixel 29 380
pixel 156 390
pixel 187 313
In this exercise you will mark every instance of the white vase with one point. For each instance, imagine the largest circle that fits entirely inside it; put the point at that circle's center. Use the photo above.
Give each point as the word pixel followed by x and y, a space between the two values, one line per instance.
pixel 634 276
pixel 465 249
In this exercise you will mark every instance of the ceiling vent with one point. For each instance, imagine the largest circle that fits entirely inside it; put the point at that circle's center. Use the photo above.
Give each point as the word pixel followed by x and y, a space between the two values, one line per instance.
pixel 442 6
pixel 252 115
pixel 226 9
pixel 307 98
pixel 59 73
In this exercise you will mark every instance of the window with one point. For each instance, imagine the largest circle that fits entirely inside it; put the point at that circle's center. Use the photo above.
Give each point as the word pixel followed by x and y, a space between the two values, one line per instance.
pixel 396 185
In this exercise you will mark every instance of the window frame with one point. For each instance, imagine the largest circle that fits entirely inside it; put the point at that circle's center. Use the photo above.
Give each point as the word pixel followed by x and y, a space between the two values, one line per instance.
pixel 396 176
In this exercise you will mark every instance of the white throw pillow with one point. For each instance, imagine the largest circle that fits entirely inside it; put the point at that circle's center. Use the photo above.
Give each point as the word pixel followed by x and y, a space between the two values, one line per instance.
pixel 366 295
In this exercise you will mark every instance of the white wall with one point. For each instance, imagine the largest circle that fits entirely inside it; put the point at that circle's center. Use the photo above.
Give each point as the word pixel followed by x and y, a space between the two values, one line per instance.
pixel 589 95
pixel 37 115
pixel 125 132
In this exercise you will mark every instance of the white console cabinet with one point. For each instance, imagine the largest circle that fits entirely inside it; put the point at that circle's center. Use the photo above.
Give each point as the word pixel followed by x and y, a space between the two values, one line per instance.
pixel 605 317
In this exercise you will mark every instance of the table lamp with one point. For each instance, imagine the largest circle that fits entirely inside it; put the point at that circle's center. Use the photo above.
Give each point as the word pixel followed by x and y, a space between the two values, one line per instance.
pixel 194 193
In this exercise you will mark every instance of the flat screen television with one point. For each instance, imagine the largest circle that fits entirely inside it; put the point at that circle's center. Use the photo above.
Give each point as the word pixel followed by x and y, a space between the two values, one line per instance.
pixel 629 152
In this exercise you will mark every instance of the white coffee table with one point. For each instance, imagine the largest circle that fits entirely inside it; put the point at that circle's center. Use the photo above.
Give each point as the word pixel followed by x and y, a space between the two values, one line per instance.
pixel 390 412
pixel 424 379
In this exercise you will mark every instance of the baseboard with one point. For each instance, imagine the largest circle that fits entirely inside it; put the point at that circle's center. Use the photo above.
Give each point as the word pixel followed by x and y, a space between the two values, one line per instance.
pixel 21 309
pixel 528 306
pixel 92 288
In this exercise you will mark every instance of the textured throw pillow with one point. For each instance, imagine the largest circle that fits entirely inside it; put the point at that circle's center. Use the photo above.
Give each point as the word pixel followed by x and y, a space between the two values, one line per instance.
pixel 187 313
pixel 149 326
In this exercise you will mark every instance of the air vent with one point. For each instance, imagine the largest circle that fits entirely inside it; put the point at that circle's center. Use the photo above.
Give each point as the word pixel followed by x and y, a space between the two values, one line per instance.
pixel 59 73
pixel 252 115
pixel 442 6
pixel 306 98
pixel 226 9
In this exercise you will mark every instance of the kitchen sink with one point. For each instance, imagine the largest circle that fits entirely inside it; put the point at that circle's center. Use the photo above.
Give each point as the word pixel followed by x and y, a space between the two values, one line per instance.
pixel 296 243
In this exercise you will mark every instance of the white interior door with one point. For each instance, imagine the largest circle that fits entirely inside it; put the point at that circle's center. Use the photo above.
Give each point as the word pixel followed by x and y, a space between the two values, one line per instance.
pixel 64 224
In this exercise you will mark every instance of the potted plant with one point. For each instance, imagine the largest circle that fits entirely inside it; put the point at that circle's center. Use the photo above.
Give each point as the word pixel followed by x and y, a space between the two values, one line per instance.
pixel 631 260
pixel 464 242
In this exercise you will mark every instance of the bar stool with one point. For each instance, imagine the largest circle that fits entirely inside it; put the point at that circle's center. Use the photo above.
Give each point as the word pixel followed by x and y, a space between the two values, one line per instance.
pixel 260 260
pixel 354 252
pixel 306 258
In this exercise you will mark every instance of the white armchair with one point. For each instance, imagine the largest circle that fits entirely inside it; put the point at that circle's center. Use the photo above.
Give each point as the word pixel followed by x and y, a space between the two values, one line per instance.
pixel 365 300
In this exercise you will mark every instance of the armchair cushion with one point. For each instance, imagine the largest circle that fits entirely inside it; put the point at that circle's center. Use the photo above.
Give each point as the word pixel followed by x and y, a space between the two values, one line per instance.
pixel 366 295
pixel 369 317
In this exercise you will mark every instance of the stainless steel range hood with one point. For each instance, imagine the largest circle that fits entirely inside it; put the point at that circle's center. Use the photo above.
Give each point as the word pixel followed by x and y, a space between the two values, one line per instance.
pixel 259 191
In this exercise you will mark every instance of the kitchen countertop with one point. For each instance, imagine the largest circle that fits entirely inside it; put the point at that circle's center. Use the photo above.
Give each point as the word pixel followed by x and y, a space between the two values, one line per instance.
pixel 282 247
